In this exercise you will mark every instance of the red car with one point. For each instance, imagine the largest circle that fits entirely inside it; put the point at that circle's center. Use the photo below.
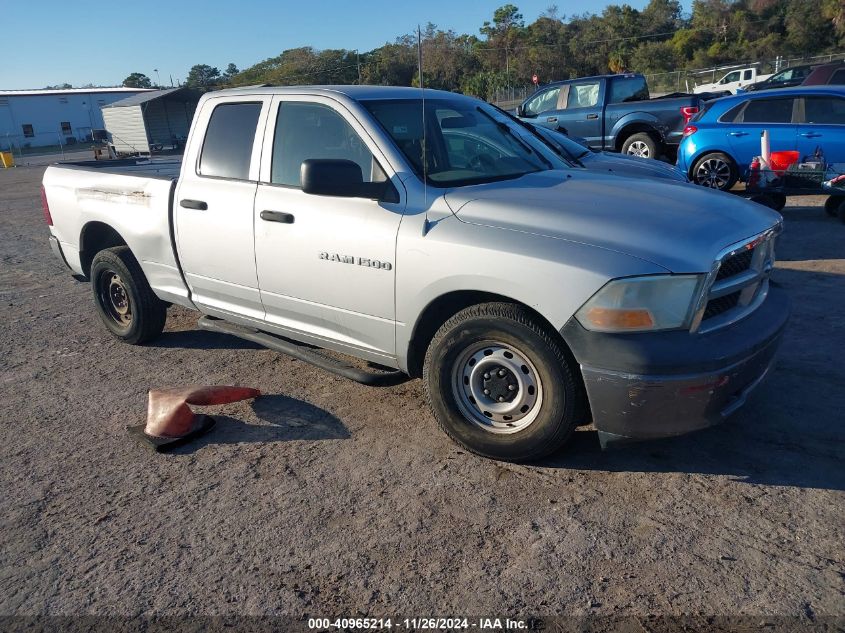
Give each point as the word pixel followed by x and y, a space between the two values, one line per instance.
pixel 827 74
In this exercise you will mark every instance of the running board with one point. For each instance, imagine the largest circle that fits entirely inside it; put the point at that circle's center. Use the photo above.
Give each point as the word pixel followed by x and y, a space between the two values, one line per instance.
pixel 304 353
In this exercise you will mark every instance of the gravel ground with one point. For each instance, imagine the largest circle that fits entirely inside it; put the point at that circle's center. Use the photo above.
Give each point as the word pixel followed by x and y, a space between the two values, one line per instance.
pixel 328 498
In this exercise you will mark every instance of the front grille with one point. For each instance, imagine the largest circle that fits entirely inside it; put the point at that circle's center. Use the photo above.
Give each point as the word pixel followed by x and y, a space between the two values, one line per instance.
pixel 719 305
pixel 740 282
pixel 735 264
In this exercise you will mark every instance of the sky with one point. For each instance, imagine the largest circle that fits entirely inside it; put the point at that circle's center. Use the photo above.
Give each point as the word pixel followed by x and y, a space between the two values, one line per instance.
pixel 49 42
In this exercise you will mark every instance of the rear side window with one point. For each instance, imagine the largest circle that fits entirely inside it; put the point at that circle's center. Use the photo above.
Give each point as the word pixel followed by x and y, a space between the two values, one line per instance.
pixel 746 75
pixel 838 77
pixel 824 110
pixel 624 89
pixel 767 111
pixel 227 147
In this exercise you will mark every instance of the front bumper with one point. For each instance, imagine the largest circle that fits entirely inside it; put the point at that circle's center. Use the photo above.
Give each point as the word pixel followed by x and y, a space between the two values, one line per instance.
pixel 661 384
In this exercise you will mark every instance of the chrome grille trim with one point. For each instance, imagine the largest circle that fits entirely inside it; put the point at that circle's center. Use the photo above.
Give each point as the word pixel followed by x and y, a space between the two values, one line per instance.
pixel 752 283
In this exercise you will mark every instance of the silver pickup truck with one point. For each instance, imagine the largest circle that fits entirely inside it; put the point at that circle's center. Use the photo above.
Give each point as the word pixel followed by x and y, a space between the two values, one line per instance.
pixel 432 236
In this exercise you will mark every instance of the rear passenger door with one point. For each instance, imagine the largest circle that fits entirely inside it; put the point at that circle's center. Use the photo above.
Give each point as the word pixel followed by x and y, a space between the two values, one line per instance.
pixel 774 114
pixel 822 125
pixel 326 270
pixel 214 202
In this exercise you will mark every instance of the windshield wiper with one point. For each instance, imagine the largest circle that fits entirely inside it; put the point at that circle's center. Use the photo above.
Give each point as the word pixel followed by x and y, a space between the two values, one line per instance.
pixel 507 128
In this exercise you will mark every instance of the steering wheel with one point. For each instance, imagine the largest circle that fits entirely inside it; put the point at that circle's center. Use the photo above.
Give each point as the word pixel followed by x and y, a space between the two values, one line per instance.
pixel 482 162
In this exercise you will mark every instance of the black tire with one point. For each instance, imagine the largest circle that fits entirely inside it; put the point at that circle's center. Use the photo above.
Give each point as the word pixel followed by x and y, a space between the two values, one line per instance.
pixel 708 171
pixel 558 400
pixel 841 212
pixel 831 205
pixel 128 307
pixel 641 144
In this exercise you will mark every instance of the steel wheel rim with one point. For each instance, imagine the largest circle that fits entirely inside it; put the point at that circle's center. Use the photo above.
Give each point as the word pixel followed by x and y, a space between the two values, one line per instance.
pixel 114 297
pixel 714 173
pixel 639 148
pixel 515 391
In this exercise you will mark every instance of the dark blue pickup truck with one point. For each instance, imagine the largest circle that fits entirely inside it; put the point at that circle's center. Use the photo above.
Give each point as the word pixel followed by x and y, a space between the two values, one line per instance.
pixel 612 112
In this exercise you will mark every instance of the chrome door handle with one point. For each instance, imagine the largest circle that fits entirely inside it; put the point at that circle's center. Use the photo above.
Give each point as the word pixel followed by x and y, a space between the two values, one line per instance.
pixel 277 216
pixel 199 205
pixel 737 133
pixel 592 116
pixel 551 119
pixel 811 135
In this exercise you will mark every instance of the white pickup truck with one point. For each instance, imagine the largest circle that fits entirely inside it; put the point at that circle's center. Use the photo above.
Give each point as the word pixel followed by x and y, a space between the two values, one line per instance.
pixel 732 81
pixel 436 237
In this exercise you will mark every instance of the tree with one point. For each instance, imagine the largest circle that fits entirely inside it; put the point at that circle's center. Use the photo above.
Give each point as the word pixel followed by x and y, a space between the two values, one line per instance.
pixel 231 70
pixel 137 80
pixel 202 75
pixel 63 86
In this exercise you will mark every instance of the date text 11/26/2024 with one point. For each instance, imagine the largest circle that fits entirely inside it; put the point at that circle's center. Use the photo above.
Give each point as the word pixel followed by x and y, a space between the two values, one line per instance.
pixel 418 624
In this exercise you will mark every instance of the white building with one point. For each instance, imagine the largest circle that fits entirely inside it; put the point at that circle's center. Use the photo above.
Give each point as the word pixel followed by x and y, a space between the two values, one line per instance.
pixel 36 118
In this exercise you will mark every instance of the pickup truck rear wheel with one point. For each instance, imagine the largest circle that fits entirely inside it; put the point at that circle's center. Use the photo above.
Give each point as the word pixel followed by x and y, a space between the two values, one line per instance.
pixel 500 385
pixel 642 145
pixel 125 302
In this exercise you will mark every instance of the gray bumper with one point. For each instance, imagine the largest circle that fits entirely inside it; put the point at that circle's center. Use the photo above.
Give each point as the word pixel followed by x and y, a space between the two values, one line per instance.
pixel 659 385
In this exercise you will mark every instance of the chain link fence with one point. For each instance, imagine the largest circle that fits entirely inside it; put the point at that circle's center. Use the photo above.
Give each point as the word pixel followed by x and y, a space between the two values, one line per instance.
pixel 685 80
pixel 43 143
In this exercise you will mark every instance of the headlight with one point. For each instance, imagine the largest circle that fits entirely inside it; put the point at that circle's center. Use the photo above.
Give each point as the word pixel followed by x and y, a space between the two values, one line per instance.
pixel 640 304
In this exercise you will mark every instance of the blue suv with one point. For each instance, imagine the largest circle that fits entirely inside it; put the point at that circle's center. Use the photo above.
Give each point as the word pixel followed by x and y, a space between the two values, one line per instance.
pixel 720 142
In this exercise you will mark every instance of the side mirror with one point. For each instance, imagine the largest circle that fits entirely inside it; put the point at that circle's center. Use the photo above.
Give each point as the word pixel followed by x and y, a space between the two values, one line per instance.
pixel 342 178
pixel 520 110
pixel 329 177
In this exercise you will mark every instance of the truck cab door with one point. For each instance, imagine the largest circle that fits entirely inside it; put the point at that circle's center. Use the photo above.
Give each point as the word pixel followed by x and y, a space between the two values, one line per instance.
pixel 213 206
pixel 325 264
pixel 581 115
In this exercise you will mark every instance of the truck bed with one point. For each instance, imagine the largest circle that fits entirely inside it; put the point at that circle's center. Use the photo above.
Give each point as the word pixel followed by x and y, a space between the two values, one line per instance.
pixel 133 198
pixel 162 168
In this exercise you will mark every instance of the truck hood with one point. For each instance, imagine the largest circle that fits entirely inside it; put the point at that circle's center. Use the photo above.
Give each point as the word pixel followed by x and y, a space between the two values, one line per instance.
pixel 680 227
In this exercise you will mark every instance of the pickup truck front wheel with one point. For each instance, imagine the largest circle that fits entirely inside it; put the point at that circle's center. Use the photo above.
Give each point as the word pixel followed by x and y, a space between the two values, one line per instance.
pixel 125 302
pixel 500 385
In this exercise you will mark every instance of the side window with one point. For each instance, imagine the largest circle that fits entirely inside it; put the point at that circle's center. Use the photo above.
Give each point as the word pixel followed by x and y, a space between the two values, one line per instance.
pixel 824 110
pixel 227 147
pixel 746 75
pixel 624 89
pixel 584 95
pixel 313 130
pixel 542 102
pixel 28 131
pixel 734 115
pixel 838 77
pixel 768 111
pixel 730 78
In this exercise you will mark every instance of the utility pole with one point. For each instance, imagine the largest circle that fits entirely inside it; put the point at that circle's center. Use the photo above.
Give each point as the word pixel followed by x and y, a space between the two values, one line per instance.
pixel 358 64
pixel 158 79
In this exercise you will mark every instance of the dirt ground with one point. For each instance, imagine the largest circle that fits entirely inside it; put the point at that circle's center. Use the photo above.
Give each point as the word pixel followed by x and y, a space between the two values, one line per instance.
pixel 327 498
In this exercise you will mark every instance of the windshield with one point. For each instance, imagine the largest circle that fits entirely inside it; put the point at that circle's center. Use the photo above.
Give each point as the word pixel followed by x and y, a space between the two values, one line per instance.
pixel 467 142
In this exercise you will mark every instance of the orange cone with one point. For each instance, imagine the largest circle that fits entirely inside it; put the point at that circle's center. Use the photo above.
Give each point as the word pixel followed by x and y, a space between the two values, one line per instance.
pixel 170 421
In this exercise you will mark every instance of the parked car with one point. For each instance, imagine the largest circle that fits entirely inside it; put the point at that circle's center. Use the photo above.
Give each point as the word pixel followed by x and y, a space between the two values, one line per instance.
pixel 832 74
pixel 786 78
pixel 580 155
pixel 732 81
pixel 721 141
pixel 612 112
pixel 529 296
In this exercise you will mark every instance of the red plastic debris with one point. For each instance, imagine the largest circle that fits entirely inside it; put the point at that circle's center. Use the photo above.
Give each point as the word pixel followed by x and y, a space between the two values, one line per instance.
pixel 168 413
